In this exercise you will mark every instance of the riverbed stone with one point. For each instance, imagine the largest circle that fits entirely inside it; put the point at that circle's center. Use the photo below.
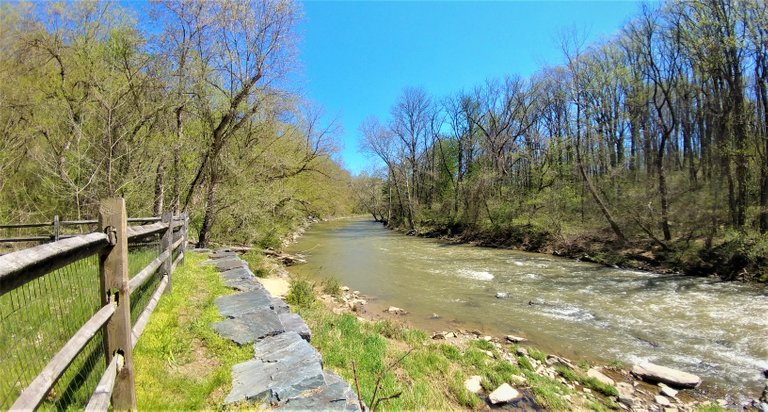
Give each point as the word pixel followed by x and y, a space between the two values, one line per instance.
pixel 597 374
pixel 293 322
pixel 335 395
pixel 504 394
pixel 396 311
pixel 250 327
pixel 472 384
pixel 284 366
pixel 515 339
pixel 667 391
pixel 242 303
pixel 626 393
pixel 662 400
pixel 675 378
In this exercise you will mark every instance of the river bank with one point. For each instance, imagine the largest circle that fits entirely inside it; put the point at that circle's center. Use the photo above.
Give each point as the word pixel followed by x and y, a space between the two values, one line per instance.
pixel 739 257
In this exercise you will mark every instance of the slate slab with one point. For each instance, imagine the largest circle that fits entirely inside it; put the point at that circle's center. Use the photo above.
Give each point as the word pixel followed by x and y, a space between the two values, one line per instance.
pixel 293 322
pixel 241 303
pixel 244 285
pixel 237 273
pixel 221 254
pixel 250 327
pixel 285 366
pixel 229 263
pixel 335 395
pixel 279 306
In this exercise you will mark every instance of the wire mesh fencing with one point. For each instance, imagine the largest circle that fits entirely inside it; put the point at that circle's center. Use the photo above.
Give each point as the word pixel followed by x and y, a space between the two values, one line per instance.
pixel 141 253
pixel 37 319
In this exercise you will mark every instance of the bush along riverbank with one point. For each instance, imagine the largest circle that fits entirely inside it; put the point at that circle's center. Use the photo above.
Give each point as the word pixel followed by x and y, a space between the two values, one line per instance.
pixel 734 256
pixel 403 368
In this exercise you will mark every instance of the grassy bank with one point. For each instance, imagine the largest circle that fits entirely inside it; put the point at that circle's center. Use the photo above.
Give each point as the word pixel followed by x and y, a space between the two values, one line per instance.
pixel 181 364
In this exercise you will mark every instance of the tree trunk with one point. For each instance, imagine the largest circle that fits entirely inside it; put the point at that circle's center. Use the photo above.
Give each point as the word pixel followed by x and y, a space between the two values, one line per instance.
pixel 159 189
pixel 210 212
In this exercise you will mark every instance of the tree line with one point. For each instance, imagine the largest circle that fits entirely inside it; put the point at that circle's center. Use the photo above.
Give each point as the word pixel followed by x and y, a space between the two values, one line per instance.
pixel 186 107
pixel 658 134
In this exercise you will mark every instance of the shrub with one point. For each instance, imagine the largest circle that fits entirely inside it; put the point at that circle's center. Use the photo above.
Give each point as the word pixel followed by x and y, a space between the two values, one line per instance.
pixel 331 286
pixel 301 293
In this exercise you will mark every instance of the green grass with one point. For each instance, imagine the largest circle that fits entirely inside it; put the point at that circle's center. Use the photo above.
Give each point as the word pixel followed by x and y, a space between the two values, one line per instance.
pixel 180 363
pixel 256 263
pixel 589 382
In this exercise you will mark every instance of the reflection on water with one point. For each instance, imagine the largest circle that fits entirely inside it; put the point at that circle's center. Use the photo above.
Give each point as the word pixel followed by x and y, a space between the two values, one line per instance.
pixel 717 330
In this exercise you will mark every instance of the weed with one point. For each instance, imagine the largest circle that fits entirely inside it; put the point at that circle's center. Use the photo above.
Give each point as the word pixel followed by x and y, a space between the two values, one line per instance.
pixel 331 286
pixel 301 293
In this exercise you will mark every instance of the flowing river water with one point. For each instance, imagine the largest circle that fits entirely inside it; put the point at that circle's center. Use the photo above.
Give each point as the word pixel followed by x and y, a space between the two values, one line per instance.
pixel 717 330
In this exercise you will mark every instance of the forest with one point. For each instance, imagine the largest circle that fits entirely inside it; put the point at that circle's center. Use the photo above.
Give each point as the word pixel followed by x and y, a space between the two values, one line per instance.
pixel 189 108
pixel 648 149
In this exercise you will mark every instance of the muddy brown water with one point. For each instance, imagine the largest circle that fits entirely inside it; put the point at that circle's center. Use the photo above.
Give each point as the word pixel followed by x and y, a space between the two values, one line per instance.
pixel 717 330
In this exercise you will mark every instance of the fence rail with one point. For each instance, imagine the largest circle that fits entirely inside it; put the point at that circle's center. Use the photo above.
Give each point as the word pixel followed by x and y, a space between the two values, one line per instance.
pixel 47 278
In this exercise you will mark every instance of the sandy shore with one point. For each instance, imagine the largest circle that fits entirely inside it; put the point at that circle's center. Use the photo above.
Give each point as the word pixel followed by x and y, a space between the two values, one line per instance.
pixel 277 286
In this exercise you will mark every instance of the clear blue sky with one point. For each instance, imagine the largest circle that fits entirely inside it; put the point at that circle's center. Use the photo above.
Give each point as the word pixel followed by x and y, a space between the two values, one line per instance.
pixel 358 56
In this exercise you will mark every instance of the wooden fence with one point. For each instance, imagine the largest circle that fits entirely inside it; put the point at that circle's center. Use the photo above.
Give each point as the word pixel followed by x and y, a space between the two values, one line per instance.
pixel 116 386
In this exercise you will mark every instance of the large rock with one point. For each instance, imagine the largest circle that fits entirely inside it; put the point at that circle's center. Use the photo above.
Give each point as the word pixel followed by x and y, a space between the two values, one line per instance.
pixel 242 303
pixel 229 263
pixel 335 395
pixel 284 367
pixel 237 273
pixel 250 327
pixel 597 374
pixel 294 323
pixel 244 285
pixel 515 339
pixel 279 306
pixel 222 254
pixel 626 393
pixel 504 394
pixel 654 373
pixel 473 384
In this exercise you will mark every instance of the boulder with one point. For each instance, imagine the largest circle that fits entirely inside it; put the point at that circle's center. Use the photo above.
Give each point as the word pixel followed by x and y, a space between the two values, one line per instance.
pixel 396 311
pixel 242 303
pixel 438 335
pixel 597 374
pixel 335 395
pixel 515 339
pixel 473 384
pixel 284 366
pixel 654 373
pixel 294 323
pixel 250 327
pixel 504 394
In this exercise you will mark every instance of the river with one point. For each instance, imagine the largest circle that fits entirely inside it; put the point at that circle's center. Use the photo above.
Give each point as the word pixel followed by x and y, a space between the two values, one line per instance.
pixel 717 330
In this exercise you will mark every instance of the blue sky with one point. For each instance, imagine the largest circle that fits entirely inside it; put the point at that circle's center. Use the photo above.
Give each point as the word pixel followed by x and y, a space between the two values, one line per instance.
pixel 357 57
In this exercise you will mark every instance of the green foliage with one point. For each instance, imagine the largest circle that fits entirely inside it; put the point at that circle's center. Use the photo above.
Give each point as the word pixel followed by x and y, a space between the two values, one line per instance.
pixel 331 286
pixel 525 363
pixel 389 329
pixel 589 382
pixel 255 260
pixel 301 293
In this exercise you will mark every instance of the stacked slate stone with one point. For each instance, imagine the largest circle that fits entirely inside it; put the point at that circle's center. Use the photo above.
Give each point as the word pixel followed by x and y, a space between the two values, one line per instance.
pixel 286 371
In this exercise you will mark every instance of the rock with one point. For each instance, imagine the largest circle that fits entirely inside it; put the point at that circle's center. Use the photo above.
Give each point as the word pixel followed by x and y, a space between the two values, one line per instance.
pixel 473 384
pixel 487 338
pixel 358 307
pixel 595 373
pixel 229 263
pixel 356 293
pixel 488 353
pixel 222 254
pixel 438 335
pixel 654 373
pixel 522 352
pixel 279 306
pixel 345 288
pixel 503 394
pixel 335 395
pixel 762 407
pixel 450 335
pixel 244 285
pixel 671 409
pixel 242 303
pixel 396 311
pixel 662 400
pixel 284 366
pixel 667 391
pixel 554 360
pixel 586 390
pixel 250 327
pixel 626 393
pixel 237 274
pixel 515 339
pixel 502 295
pixel 518 380
pixel 435 316
pixel 294 323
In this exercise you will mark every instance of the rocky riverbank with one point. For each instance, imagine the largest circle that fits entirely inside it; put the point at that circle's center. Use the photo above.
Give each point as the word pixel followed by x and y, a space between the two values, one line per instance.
pixel 640 387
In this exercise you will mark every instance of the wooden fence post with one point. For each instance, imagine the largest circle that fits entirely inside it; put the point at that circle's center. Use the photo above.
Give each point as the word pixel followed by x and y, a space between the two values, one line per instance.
pixel 113 268
pixel 166 243
pixel 56 228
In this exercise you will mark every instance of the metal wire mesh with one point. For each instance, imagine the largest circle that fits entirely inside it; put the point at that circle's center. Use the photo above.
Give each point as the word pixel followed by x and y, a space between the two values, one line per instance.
pixel 36 320
pixel 140 254
pixel 176 236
